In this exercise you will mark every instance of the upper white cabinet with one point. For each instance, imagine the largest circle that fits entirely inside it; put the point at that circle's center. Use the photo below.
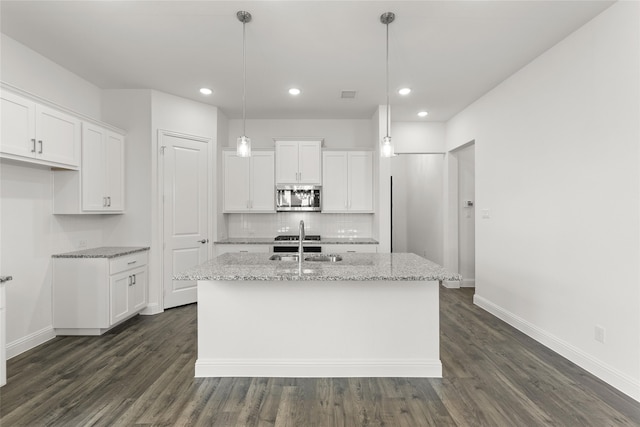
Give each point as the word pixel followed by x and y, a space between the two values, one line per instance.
pixel 249 182
pixel 347 181
pixel 298 162
pixel 36 133
pixel 102 169
pixel 99 186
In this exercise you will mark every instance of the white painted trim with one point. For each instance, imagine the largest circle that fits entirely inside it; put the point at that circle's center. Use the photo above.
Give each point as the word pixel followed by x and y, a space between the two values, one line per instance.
pixel 468 283
pixel 451 284
pixel 30 341
pixel 621 381
pixel 151 310
pixel 303 368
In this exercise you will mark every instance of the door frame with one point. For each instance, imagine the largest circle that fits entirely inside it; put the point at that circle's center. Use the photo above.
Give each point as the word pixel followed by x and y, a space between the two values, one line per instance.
pixel 451 249
pixel 211 205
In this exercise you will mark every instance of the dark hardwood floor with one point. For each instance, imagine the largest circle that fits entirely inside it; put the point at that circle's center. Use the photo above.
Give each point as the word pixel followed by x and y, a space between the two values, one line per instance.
pixel 142 374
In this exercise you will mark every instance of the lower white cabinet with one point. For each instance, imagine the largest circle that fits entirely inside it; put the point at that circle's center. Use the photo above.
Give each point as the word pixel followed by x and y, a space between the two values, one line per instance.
pixel 92 295
pixel 345 248
pixel 224 248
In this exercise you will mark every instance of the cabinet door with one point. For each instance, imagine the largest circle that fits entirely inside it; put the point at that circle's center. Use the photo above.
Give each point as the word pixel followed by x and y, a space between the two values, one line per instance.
pixel 58 136
pixel 334 189
pixel 286 162
pixel 309 162
pixel 114 171
pixel 18 125
pixel 262 181
pixel 236 182
pixel 119 296
pixel 138 290
pixel 360 167
pixel 93 168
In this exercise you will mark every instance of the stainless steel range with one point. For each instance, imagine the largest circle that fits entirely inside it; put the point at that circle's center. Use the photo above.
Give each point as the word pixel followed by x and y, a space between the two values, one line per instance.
pixel 294 248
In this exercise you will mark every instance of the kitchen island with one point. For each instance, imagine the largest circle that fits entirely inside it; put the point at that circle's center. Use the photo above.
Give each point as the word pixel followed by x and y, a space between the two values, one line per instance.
pixel 367 315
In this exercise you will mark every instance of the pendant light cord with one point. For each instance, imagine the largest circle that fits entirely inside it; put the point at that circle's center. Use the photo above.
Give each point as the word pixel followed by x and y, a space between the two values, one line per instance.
pixel 388 120
pixel 244 79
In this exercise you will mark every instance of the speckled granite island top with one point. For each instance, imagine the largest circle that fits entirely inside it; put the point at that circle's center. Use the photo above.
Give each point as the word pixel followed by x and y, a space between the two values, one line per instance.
pixel 102 252
pixel 354 266
pixel 271 241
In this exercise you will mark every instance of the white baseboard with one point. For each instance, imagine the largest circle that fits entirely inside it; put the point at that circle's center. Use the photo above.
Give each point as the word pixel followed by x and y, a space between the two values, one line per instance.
pixel 451 284
pixel 468 283
pixel 152 309
pixel 606 373
pixel 30 341
pixel 318 368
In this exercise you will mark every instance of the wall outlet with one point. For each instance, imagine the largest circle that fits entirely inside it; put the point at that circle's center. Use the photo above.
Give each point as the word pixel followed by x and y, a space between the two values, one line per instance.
pixel 82 244
pixel 486 213
pixel 599 334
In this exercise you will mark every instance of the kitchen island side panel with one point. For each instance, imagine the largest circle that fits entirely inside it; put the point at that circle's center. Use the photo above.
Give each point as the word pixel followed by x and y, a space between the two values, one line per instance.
pixel 318 329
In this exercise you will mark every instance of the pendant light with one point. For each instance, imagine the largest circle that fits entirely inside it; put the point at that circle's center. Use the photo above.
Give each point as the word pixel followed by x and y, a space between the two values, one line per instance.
pixel 243 145
pixel 386 148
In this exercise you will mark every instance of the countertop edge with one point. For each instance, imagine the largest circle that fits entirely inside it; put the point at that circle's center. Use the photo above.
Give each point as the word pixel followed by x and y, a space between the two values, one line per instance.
pixel 102 252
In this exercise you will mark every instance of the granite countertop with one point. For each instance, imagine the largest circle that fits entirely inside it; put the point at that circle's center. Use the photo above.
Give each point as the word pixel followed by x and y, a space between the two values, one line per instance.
pixel 103 252
pixel 354 266
pixel 5 279
pixel 271 241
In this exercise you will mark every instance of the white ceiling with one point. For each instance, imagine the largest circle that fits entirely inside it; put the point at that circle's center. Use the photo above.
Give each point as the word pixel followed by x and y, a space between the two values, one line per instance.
pixel 449 52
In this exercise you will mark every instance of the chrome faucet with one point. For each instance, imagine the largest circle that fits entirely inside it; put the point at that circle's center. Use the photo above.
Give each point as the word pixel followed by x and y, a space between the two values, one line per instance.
pixel 301 237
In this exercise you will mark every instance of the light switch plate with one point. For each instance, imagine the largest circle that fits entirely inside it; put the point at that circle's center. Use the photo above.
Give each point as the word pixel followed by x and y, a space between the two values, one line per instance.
pixel 486 213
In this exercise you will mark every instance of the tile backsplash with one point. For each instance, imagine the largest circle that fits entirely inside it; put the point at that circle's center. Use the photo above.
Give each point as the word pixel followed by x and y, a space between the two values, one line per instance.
pixel 324 224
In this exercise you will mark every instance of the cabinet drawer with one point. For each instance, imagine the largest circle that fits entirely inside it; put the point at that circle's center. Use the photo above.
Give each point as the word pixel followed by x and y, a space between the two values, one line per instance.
pixel 127 262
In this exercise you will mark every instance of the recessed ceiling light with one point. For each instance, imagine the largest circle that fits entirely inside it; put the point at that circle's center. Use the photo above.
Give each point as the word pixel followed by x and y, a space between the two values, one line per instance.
pixel 294 91
pixel 404 91
pixel 423 114
pixel 206 91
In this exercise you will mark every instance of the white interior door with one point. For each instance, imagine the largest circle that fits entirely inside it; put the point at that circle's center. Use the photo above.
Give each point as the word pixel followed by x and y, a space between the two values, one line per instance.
pixel 185 214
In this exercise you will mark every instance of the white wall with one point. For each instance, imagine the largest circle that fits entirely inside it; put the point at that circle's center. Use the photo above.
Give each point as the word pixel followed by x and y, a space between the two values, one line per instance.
pixel 336 133
pixel 417 204
pixel 32 72
pixel 418 137
pixel 557 165
pixel 30 233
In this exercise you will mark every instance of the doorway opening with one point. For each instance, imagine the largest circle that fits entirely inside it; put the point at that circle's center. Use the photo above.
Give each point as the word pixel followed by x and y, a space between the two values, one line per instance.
pixel 460 215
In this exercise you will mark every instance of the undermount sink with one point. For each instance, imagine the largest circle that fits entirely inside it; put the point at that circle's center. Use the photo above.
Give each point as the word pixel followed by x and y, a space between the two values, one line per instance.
pixel 278 257
pixel 324 258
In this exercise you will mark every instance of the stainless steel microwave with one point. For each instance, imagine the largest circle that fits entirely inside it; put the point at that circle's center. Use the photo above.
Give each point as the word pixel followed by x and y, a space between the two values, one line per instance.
pixel 306 198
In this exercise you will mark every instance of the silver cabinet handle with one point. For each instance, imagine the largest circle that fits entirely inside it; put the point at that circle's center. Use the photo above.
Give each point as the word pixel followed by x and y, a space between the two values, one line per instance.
pixel 108 200
pixel 129 281
pixel 33 141
pixel 134 279
pixel 131 262
pixel 41 146
pixel 203 241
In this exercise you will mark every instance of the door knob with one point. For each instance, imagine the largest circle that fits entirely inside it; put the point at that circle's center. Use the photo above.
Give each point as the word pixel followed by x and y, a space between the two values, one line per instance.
pixel 203 241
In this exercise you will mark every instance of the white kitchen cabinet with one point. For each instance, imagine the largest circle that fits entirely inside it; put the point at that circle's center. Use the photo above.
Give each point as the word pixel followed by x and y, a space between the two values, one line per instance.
pixel 92 295
pixel 99 186
pixel 249 182
pixel 346 248
pixel 36 133
pixel 235 248
pixel 347 181
pixel 299 162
